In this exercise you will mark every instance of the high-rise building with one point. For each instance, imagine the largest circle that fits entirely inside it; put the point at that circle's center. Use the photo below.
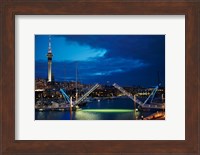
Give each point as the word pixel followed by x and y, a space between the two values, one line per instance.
pixel 49 57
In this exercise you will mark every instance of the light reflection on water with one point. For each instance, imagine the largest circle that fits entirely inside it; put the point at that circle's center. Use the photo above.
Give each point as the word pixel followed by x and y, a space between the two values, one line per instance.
pixel 115 109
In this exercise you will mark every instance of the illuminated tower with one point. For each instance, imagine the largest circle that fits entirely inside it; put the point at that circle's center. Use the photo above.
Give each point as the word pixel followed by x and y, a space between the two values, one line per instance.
pixel 49 56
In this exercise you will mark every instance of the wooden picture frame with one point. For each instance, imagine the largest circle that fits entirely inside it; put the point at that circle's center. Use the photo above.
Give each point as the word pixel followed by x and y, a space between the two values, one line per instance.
pixel 10 8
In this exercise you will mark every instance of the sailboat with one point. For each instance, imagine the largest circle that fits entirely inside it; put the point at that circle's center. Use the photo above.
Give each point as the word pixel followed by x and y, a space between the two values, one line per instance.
pixel 79 100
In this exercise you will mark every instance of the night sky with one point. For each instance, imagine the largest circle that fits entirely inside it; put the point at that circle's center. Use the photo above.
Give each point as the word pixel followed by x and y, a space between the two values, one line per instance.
pixel 129 60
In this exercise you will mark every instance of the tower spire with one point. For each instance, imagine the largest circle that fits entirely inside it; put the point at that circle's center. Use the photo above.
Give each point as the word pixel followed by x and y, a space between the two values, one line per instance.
pixel 49 50
pixel 49 58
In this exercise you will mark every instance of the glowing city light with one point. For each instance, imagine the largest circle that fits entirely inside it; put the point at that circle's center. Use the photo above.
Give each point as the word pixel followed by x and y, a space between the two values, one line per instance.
pixel 108 110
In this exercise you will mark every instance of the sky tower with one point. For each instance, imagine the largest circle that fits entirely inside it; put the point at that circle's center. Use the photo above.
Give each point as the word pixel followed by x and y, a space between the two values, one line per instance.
pixel 49 56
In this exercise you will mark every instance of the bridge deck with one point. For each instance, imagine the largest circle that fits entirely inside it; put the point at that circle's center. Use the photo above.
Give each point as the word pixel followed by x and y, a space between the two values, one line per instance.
pixel 157 106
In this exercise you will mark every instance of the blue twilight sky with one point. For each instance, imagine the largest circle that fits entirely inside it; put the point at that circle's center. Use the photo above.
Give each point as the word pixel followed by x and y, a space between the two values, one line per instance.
pixel 129 60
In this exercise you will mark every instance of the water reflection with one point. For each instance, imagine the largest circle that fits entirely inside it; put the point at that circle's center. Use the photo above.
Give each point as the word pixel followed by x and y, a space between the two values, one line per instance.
pixel 116 109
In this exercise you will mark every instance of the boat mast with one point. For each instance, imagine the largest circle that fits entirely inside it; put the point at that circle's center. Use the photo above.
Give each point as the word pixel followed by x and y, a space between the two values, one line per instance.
pixel 76 81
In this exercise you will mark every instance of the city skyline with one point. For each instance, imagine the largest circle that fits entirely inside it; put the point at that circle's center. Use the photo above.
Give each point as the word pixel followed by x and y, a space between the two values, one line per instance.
pixel 124 59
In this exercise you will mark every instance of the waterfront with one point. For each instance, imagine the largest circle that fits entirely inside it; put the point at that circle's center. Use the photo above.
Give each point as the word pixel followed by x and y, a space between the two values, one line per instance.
pixel 99 82
pixel 106 109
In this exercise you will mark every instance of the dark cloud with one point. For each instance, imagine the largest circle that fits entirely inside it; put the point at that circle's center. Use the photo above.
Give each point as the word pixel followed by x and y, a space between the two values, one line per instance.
pixel 127 46
pixel 149 49
pixel 129 60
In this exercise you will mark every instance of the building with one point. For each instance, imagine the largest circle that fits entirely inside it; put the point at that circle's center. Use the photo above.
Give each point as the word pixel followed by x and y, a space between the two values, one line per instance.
pixel 49 58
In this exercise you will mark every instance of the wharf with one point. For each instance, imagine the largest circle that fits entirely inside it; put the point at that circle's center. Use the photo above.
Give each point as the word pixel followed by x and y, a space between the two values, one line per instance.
pixel 156 116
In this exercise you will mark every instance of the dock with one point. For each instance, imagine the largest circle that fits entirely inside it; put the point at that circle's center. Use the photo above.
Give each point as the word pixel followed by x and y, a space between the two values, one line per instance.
pixel 156 116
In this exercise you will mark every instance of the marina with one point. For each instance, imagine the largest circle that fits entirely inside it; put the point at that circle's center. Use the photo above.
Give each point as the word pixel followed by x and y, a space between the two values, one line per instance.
pixel 106 109
pixel 98 94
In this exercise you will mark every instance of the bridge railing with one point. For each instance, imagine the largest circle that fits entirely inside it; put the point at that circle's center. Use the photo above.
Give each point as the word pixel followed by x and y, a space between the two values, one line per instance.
pixel 86 94
pixel 127 94
pixel 66 97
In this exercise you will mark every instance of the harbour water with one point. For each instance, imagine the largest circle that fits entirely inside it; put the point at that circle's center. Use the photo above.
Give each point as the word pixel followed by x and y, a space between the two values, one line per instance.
pixel 102 109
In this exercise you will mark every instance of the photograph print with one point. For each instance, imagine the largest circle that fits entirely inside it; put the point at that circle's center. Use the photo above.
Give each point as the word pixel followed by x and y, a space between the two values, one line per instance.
pixel 99 77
